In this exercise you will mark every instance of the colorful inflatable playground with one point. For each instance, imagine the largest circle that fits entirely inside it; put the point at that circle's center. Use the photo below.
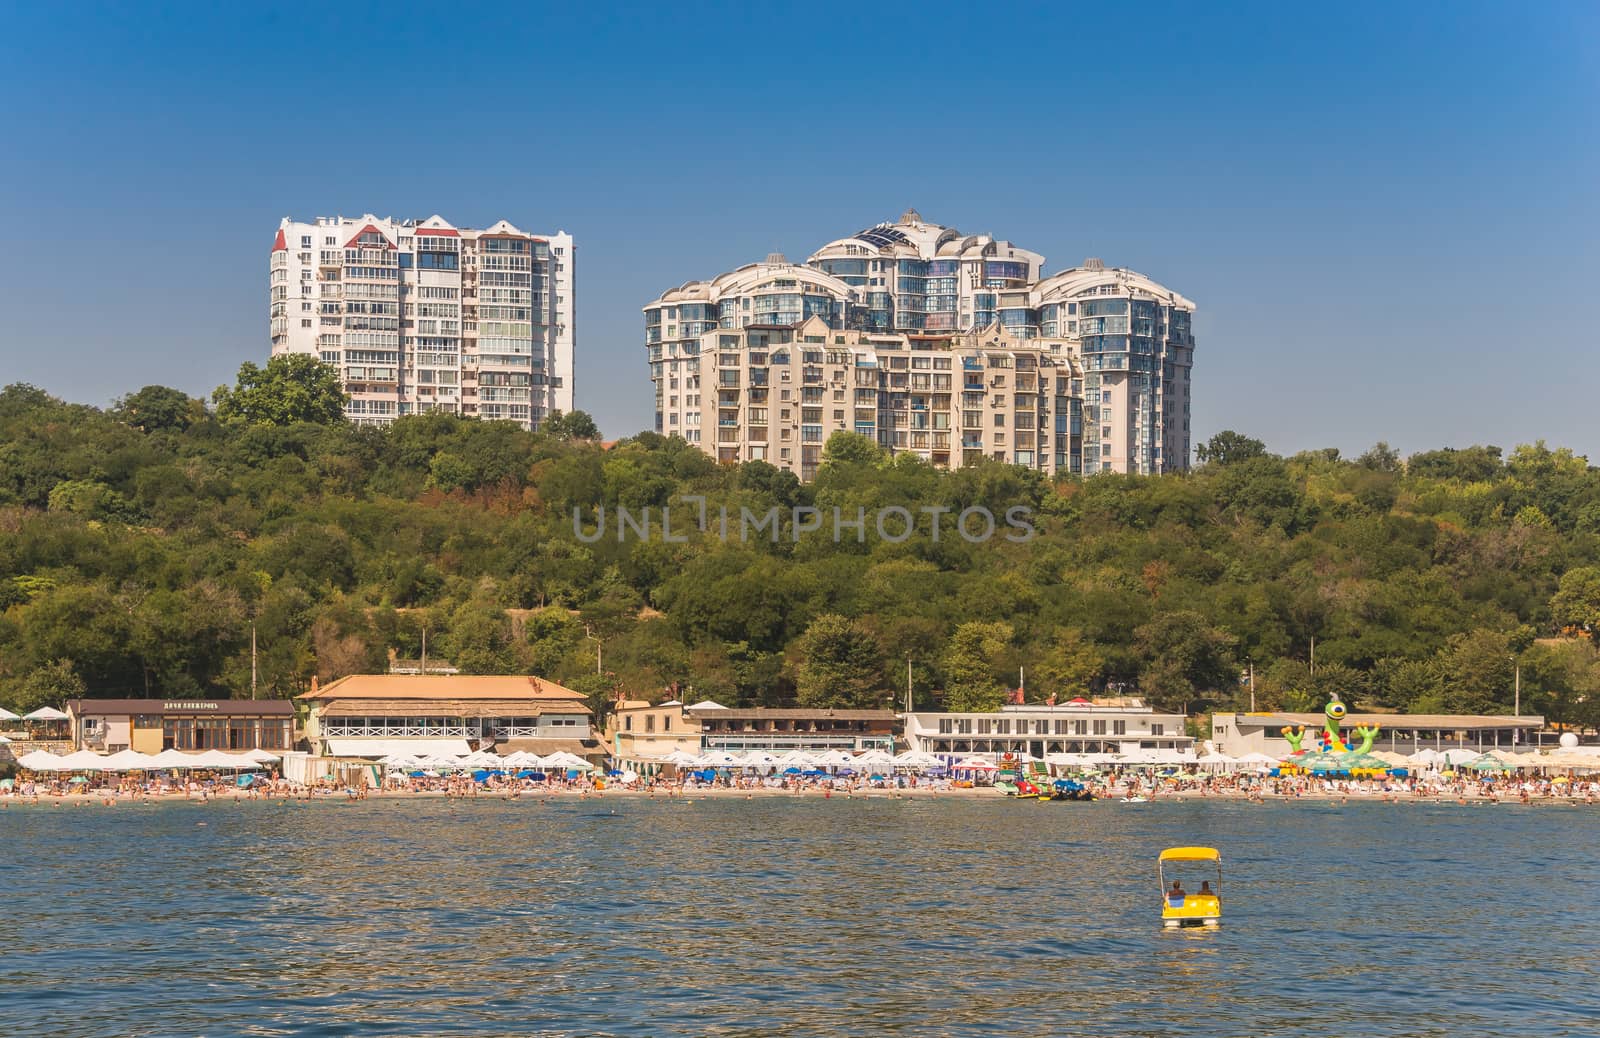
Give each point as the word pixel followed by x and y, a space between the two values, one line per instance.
pixel 1332 755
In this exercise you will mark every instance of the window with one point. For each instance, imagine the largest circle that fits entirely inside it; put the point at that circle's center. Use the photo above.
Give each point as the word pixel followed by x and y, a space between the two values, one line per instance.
pixel 1119 727
pixel 1158 729
pixel 1099 728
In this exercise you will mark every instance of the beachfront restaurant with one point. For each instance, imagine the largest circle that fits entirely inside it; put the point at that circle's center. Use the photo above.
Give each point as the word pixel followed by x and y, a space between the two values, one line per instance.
pixel 153 725
pixel 378 715
pixel 780 730
pixel 1123 726
pixel 1238 734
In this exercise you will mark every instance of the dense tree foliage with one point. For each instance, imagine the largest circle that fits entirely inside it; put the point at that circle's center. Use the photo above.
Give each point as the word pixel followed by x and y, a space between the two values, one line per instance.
pixel 293 387
pixel 139 544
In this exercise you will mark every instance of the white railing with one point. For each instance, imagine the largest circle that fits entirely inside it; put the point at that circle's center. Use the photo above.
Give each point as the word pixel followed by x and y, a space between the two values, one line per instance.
pixel 399 731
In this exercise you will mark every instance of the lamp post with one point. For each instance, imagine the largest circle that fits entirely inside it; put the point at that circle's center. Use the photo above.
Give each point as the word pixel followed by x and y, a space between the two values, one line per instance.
pixel 598 647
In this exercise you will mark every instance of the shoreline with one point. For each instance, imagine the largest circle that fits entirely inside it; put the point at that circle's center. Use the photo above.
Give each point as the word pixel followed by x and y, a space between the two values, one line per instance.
pixel 340 796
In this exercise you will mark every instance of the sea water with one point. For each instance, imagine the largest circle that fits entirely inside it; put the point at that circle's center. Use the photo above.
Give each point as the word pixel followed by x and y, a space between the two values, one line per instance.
pixel 783 916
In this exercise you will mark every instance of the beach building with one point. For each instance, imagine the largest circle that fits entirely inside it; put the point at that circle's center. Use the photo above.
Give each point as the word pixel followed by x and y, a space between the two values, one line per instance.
pixel 1124 726
pixel 806 729
pixel 153 725
pixel 641 731
pixel 375 715
pixel 1239 734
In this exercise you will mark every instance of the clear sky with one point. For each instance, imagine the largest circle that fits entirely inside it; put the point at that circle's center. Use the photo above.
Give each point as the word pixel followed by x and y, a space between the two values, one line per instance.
pixel 1386 213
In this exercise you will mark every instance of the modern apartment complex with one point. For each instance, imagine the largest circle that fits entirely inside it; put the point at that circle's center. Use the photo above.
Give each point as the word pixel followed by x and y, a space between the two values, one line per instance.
pixel 955 347
pixel 776 392
pixel 423 316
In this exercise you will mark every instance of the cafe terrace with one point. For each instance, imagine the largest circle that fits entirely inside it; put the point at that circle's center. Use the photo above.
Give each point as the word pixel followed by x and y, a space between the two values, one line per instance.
pixel 381 715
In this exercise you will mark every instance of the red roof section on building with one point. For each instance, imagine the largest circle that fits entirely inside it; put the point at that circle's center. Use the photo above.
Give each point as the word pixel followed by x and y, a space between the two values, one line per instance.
pixel 278 244
pixel 352 242
pixel 447 232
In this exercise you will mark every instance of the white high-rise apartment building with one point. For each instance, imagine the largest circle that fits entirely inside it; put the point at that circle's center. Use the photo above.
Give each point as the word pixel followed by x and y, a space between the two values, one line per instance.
pixel 425 316
pixel 1126 340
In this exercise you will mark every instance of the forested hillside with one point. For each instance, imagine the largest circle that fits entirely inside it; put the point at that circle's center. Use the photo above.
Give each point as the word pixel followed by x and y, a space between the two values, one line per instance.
pixel 138 544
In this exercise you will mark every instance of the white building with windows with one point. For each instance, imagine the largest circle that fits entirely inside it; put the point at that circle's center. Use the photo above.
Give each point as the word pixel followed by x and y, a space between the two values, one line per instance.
pixel 422 316
pixel 375 715
pixel 1129 338
pixel 1124 726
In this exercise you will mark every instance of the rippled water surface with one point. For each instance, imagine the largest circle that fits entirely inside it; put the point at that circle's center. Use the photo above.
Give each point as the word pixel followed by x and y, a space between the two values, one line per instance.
pixel 786 917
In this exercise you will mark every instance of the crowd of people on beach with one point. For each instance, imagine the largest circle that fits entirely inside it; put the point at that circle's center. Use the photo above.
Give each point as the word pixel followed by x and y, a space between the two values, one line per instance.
pixel 1119 785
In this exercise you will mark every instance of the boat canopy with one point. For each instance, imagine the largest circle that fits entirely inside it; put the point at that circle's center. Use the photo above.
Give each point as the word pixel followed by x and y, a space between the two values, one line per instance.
pixel 1190 854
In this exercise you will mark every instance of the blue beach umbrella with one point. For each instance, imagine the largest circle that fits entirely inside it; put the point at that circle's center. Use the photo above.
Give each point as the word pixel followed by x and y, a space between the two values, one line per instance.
pixel 792 771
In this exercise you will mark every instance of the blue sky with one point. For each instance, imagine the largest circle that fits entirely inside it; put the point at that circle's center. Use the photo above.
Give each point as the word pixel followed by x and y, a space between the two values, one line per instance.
pixel 1386 213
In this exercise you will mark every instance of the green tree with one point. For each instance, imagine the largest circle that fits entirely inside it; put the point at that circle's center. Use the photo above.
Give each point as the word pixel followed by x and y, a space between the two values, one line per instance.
pixel 1561 680
pixel 1184 658
pixel 849 448
pixel 1576 602
pixel 971 665
pixel 1068 664
pixel 575 426
pixel 50 684
pixel 293 387
pixel 1477 669
pixel 1380 458
pixel 1228 447
pixel 839 665
pixel 159 409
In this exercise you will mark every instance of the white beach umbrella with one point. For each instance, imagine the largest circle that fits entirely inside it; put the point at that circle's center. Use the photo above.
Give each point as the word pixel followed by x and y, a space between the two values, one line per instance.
pixel 976 764
pixel 263 756
pixel 45 713
pixel 1458 755
pixel 916 760
pixel 7 715
pixel 129 760
pixel 40 760
pixel 83 760
pixel 174 759
pixel 219 760
pixel 564 759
